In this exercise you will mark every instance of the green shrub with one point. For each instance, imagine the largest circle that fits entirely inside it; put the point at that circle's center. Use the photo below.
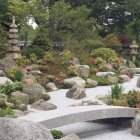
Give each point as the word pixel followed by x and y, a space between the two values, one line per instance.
pixel 102 81
pixel 14 74
pixel 39 52
pixel 72 71
pixel 6 112
pixel 9 87
pixel 57 134
pixel 120 102
pixel 133 98
pixel 22 61
pixel 104 53
pixel 117 91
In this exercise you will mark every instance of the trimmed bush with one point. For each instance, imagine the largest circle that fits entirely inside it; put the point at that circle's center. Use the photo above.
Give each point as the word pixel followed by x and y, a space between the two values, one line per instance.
pixel 104 53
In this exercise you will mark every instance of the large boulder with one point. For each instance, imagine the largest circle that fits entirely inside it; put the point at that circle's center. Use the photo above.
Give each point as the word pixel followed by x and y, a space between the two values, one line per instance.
pixel 21 97
pixel 52 86
pixel 34 91
pixel 92 82
pixel 71 137
pixel 136 126
pixel 76 92
pixel 7 63
pixel 3 80
pixel 129 72
pixel 43 105
pixel 83 70
pixel 104 74
pixel 125 78
pixel 14 129
pixel 138 82
pixel 75 81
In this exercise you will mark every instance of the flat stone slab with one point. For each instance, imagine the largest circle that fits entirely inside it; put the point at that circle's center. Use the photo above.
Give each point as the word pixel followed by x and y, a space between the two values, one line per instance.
pixel 70 115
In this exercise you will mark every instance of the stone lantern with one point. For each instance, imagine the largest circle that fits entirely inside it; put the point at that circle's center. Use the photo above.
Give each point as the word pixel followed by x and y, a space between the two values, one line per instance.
pixel 134 50
pixel 14 49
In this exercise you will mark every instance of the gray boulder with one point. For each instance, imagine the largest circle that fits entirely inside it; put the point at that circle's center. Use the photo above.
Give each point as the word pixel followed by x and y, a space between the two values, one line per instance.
pixel 76 92
pixel 34 91
pixel 52 86
pixel 92 82
pixel 3 80
pixel 43 105
pixel 21 97
pixel 138 82
pixel 75 81
pixel 71 137
pixel 136 126
pixel 125 78
pixel 83 70
pixel 29 77
pixel 104 74
pixel 14 129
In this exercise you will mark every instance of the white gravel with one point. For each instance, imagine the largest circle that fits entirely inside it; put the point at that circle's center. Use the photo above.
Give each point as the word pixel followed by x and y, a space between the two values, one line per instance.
pixel 88 130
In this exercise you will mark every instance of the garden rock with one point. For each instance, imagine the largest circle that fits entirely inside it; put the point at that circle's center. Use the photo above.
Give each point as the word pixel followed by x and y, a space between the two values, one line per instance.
pixel 121 68
pixel 52 86
pixel 129 72
pixel 83 70
pixel 21 97
pixel 34 91
pixel 104 74
pixel 22 107
pixel 3 80
pixel 76 92
pixel 75 81
pixel 138 82
pixel 89 101
pixel 136 126
pixel 14 129
pixel 18 113
pixel 71 137
pixel 43 105
pixel 36 72
pixel 46 96
pixel 29 78
pixel 2 74
pixel 113 80
pixel 92 82
pixel 125 78
pixel 7 63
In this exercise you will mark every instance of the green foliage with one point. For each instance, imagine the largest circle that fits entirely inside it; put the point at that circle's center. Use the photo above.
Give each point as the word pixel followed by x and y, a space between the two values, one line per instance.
pixel 57 134
pixel 67 57
pixel 104 53
pixel 72 71
pixel 4 112
pixel 111 41
pixel 48 57
pixel 15 74
pixel 39 52
pixel 3 41
pixel 102 81
pixel 133 98
pixel 118 102
pixel 9 87
pixel 91 44
pixel 22 61
pixel 117 91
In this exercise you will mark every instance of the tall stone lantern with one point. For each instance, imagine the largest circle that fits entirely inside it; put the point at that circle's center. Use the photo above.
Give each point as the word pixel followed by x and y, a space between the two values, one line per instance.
pixel 14 49
pixel 134 50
